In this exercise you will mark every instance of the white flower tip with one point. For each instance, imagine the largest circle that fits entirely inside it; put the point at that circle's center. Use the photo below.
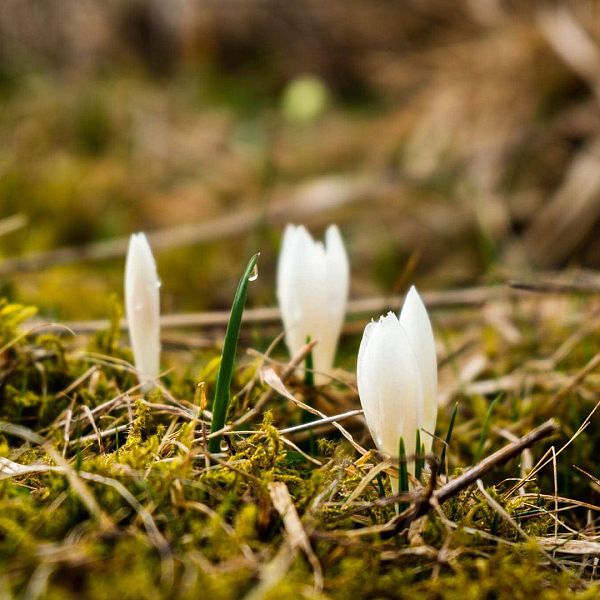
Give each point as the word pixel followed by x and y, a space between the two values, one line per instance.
pixel 332 233
pixel 142 306
pixel 138 238
pixel 389 317
pixel 295 229
pixel 139 248
pixel 413 297
pixel 413 308
pixel 290 229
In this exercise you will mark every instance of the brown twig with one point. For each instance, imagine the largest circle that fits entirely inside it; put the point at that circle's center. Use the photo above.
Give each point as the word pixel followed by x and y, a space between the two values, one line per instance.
pixel 455 486
pixel 554 287
pixel 592 365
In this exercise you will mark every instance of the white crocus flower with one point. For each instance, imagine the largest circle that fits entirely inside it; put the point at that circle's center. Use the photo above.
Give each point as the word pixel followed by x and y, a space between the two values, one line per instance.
pixel 397 378
pixel 142 307
pixel 312 290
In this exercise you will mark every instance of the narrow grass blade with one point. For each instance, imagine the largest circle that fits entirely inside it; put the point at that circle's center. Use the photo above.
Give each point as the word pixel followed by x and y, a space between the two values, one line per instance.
pixel 309 376
pixel 486 427
pixel 223 384
pixel 419 460
pixel 402 468
pixel 402 474
pixel 448 438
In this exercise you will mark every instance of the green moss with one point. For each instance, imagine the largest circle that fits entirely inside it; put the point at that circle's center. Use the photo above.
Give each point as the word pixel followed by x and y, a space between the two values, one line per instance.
pixel 184 527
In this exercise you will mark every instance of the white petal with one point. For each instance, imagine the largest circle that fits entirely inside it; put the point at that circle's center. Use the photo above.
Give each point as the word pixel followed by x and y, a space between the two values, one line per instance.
pixel 338 273
pixel 284 268
pixel 332 299
pixel 142 306
pixel 300 280
pixel 367 393
pixel 312 291
pixel 415 321
pixel 389 385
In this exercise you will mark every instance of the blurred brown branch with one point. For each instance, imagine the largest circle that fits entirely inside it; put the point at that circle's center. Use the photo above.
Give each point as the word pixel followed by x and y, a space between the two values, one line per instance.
pixel 475 296
pixel 314 197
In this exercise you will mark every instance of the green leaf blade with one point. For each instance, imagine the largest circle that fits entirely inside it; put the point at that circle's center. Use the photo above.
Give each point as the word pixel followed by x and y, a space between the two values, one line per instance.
pixel 224 376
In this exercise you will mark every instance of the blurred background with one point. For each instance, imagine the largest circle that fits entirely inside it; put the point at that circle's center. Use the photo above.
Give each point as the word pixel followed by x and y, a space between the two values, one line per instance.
pixel 453 142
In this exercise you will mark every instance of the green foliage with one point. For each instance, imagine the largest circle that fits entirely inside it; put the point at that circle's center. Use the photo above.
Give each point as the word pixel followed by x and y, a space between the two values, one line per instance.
pixel 223 384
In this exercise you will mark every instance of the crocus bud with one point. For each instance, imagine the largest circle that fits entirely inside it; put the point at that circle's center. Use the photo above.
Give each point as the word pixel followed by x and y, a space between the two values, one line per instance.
pixel 397 378
pixel 142 307
pixel 312 290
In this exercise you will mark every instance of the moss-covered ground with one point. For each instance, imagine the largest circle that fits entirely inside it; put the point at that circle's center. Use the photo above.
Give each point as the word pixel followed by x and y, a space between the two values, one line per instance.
pixel 104 489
